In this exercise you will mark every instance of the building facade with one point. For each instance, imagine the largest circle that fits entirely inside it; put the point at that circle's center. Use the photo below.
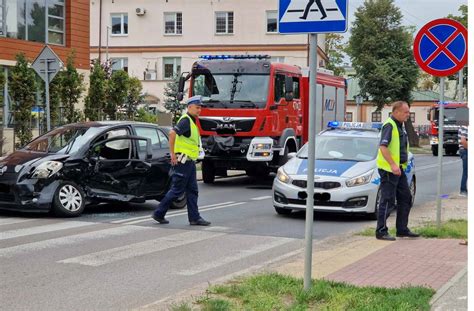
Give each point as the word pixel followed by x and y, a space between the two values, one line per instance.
pixel 26 26
pixel 155 40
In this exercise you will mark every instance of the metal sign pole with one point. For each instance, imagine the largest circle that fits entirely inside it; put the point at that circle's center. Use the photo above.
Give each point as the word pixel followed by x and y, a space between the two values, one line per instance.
pixel 46 81
pixel 440 151
pixel 313 61
pixel 461 89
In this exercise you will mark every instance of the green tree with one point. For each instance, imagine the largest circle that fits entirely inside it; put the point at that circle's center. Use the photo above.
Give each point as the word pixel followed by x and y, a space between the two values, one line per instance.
pixel 4 118
pixel 145 116
pixel 72 87
pixel 117 92
pixel 135 97
pixel 96 98
pixel 172 103
pixel 335 51
pixel 381 52
pixel 22 86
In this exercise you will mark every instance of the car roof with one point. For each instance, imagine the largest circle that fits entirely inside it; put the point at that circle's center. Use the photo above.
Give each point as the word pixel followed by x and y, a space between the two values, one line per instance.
pixel 351 133
pixel 108 124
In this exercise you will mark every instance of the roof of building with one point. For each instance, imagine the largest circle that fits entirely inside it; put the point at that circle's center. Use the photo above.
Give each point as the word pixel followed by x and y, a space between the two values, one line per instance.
pixel 353 89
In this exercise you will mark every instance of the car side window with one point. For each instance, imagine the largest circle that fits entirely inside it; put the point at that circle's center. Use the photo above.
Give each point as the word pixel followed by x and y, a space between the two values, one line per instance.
pixel 150 133
pixel 163 139
pixel 279 87
pixel 114 150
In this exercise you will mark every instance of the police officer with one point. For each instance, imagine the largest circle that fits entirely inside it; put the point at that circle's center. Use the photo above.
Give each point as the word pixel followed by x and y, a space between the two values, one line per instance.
pixel 184 150
pixel 392 161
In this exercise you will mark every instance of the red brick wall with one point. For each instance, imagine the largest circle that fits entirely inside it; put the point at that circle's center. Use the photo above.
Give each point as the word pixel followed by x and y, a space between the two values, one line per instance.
pixel 77 38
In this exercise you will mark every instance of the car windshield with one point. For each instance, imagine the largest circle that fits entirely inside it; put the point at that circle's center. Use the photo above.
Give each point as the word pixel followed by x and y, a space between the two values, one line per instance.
pixel 343 148
pixel 235 90
pixel 63 140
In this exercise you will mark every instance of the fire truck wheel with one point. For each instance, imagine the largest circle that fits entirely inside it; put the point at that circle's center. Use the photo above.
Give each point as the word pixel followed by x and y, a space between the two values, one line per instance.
pixel 208 172
pixel 434 150
pixel 284 158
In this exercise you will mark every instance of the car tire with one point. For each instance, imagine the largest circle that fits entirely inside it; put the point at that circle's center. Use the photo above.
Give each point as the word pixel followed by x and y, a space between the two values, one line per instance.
pixel 413 190
pixel 179 202
pixel 374 215
pixel 434 150
pixel 69 200
pixel 208 172
pixel 283 211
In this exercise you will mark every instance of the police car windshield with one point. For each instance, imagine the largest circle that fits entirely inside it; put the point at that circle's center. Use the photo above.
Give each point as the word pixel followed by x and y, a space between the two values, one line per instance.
pixel 343 148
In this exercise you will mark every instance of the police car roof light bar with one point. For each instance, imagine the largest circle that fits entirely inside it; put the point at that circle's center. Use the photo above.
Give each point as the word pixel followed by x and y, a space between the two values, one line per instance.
pixel 212 57
pixel 355 125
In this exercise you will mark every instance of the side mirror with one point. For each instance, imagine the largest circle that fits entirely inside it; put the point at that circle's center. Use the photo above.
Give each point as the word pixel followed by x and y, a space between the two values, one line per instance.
pixel 181 88
pixel 288 88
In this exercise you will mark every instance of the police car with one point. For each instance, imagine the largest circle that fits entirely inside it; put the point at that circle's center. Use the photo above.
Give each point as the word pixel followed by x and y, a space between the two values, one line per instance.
pixel 346 178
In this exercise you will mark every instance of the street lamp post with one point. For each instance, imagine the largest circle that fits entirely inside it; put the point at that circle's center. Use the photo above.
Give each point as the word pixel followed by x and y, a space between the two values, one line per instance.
pixel 358 100
pixel 107 46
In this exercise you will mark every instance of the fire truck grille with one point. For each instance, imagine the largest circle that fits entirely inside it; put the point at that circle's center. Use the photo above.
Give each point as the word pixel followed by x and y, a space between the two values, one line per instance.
pixel 215 125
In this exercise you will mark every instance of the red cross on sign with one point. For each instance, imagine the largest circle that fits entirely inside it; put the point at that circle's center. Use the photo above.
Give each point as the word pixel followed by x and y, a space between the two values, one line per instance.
pixel 440 47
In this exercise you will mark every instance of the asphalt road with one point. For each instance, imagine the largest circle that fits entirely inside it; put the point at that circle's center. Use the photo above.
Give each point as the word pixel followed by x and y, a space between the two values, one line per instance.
pixel 117 258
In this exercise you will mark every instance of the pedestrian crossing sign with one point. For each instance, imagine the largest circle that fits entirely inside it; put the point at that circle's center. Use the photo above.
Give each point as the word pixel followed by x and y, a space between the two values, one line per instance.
pixel 312 16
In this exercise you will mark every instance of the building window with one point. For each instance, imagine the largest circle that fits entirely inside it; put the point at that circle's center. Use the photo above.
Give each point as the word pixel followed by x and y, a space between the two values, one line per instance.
pixel 348 117
pixel 377 116
pixel 277 59
pixel 412 117
pixel 119 24
pixel 119 64
pixel 171 67
pixel 173 23
pixel 272 21
pixel 224 22
pixel 33 20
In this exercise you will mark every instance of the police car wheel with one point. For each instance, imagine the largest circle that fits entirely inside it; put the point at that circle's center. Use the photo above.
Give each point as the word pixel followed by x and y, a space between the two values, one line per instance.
pixel 179 202
pixel 413 190
pixel 374 215
pixel 282 211
pixel 69 200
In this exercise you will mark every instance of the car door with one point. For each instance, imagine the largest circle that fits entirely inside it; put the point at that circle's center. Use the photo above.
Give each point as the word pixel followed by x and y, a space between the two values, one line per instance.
pixel 157 181
pixel 115 170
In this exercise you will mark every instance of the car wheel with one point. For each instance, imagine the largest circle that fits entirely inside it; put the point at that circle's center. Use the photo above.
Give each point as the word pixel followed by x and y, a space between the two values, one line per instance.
pixel 413 190
pixel 374 215
pixel 208 172
pixel 283 211
pixel 434 150
pixel 69 200
pixel 179 202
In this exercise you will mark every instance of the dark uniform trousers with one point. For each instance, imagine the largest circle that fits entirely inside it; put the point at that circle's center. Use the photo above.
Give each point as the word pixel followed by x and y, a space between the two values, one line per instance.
pixel 183 180
pixel 393 187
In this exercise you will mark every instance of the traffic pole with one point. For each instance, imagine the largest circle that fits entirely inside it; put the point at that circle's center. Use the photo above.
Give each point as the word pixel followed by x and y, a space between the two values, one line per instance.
pixel 313 70
pixel 440 151
pixel 46 87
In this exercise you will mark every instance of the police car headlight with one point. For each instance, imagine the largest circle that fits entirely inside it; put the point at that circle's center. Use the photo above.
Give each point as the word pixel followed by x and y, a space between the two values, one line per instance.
pixel 47 169
pixel 360 180
pixel 282 176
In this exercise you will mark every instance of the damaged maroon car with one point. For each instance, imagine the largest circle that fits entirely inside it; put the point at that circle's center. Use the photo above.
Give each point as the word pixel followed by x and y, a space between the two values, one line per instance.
pixel 92 162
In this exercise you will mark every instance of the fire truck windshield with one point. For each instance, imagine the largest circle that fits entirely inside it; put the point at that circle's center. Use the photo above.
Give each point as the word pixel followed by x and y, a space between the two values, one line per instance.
pixel 232 90
pixel 454 115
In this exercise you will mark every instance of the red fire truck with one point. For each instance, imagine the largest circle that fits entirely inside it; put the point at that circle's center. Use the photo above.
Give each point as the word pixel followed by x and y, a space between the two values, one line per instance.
pixel 255 112
pixel 455 114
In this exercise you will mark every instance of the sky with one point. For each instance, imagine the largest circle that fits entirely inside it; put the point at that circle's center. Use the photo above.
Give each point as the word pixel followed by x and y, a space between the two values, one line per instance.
pixel 415 12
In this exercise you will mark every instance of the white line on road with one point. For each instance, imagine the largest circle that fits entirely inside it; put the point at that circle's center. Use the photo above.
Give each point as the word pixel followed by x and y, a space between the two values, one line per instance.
pixel 142 248
pixel 239 256
pixel 13 220
pixel 261 198
pixel 425 167
pixel 148 218
pixel 70 240
pixel 43 229
pixel 171 213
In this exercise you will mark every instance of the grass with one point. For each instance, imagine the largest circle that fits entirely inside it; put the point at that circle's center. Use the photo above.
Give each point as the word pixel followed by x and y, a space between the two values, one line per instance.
pixel 278 292
pixel 451 229
pixel 420 150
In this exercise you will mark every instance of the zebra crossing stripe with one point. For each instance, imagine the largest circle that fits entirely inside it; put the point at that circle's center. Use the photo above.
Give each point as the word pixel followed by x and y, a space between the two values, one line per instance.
pixel 70 240
pixel 141 248
pixel 13 220
pixel 16 233
pixel 262 198
pixel 242 254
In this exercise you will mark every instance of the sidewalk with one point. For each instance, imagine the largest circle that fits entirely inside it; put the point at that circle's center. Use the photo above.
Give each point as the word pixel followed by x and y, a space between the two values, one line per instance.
pixel 364 261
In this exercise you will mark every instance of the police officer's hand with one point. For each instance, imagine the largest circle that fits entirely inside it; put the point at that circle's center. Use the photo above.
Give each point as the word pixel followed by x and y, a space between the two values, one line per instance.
pixel 396 169
pixel 174 161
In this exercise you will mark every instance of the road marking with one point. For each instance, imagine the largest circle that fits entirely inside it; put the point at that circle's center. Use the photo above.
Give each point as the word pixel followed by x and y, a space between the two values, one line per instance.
pixel 142 248
pixel 43 229
pixel 148 216
pixel 70 240
pixel 261 198
pixel 421 168
pixel 239 256
pixel 12 220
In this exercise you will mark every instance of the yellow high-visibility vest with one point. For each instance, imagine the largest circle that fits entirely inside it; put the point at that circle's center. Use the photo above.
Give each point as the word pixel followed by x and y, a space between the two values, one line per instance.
pixel 393 148
pixel 188 145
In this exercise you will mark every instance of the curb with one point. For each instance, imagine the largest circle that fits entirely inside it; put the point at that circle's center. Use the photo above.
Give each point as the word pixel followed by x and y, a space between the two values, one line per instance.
pixel 448 285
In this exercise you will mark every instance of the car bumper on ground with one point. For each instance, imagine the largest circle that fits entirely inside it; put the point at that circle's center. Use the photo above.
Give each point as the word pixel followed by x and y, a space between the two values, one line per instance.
pixel 358 199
